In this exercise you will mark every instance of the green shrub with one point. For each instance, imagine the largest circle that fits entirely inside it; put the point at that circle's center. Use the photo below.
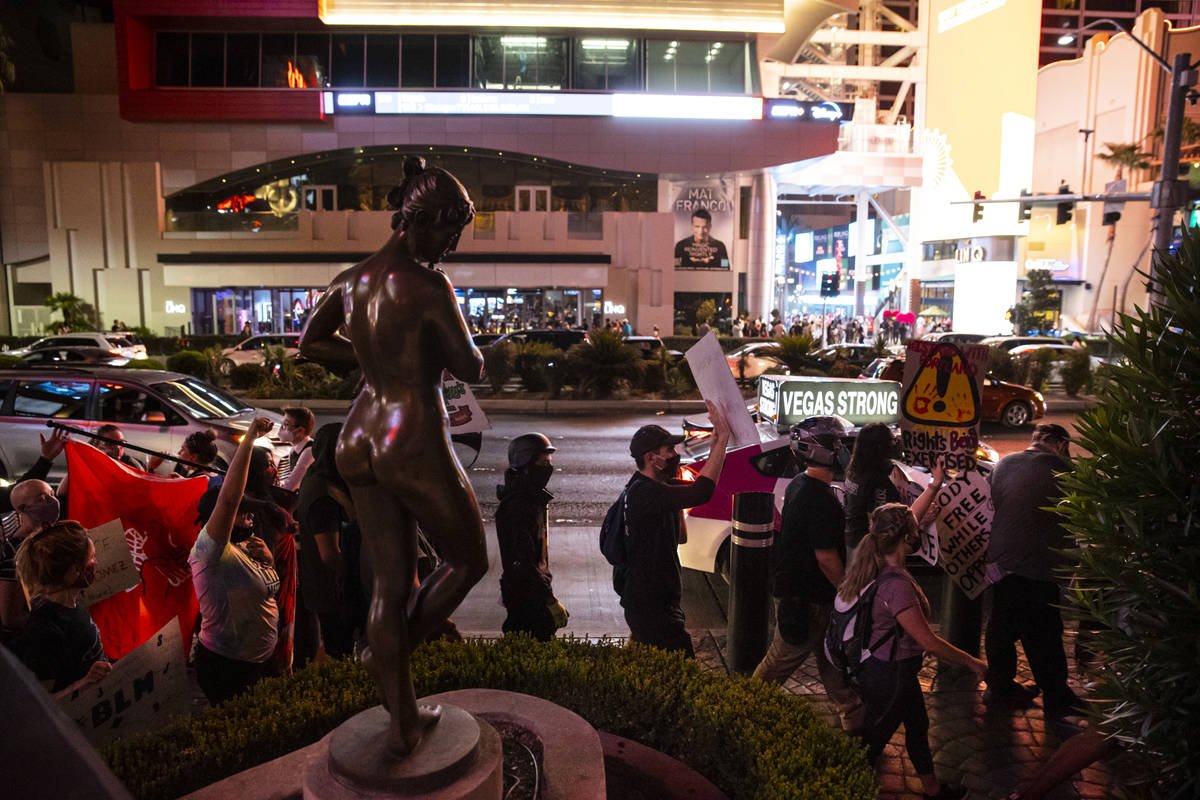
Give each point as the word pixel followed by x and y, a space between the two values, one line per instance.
pixel 531 361
pixel 605 362
pixel 189 362
pixel 841 368
pixel 795 351
pixel 658 368
pixel 1132 506
pixel 1000 364
pixel 746 736
pixel 145 363
pixel 1076 371
pixel 498 364
pixel 1039 363
pixel 247 376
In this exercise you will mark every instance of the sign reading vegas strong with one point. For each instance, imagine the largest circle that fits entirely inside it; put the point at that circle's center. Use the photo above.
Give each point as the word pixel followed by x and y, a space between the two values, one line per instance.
pixel 786 399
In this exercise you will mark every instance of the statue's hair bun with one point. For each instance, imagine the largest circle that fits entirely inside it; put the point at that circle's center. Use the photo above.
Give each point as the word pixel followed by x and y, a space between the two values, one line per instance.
pixel 413 166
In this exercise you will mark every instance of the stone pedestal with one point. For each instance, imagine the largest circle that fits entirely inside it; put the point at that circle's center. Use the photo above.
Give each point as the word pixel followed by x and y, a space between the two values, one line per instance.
pixel 458 759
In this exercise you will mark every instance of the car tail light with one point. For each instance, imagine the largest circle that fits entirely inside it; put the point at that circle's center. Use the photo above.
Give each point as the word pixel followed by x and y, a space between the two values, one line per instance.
pixel 689 472
pixel 114 351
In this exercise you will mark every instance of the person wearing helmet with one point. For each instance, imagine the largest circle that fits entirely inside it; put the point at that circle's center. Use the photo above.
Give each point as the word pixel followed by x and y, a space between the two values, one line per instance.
pixel 810 558
pixel 522 527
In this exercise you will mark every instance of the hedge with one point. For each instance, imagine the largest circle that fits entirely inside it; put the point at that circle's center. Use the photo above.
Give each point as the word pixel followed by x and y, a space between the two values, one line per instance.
pixel 745 736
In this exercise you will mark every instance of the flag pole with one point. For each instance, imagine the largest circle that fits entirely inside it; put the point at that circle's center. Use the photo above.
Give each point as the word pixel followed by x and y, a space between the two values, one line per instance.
pixel 72 429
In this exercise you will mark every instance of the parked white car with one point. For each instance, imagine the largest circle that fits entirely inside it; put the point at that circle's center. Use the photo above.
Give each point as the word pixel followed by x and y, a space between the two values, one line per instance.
pixel 252 351
pixel 118 343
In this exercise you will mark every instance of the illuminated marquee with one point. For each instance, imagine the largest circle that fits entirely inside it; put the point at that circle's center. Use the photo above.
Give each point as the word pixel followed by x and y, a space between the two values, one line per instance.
pixel 786 400
pixel 554 104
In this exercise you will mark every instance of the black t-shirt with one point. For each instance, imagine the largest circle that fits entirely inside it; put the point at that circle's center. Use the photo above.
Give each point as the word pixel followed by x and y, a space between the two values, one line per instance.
pixel 652 579
pixel 812 520
pixel 692 254
pixel 868 493
pixel 318 582
pixel 59 644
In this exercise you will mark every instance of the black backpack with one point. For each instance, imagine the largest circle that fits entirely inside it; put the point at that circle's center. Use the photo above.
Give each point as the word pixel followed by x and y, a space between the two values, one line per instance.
pixel 846 638
pixel 613 532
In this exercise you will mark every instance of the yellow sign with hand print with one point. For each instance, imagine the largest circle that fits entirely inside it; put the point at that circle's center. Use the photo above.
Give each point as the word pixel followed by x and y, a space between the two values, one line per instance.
pixel 944 391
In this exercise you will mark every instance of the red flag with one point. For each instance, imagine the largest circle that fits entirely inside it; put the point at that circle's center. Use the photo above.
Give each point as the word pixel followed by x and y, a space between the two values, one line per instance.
pixel 159 517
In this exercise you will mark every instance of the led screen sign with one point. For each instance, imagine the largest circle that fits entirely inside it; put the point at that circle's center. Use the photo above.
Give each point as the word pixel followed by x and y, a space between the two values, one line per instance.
pixel 555 104
pixel 786 399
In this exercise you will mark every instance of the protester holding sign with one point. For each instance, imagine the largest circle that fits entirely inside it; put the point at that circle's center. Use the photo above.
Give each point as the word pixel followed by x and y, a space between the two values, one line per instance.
pixel 868 480
pixel 890 688
pixel 60 643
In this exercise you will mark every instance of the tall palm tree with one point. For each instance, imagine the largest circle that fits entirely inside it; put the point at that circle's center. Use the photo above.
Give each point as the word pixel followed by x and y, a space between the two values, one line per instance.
pixel 1124 156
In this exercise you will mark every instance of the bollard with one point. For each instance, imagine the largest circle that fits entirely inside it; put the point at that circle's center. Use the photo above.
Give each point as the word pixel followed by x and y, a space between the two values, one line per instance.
pixel 962 617
pixel 750 578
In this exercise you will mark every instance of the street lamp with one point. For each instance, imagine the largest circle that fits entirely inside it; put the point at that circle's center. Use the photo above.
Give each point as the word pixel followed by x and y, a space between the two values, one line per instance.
pixel 1168 193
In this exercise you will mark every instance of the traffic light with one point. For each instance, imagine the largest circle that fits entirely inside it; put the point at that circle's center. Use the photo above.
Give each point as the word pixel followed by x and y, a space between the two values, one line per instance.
pixel 831 284
pixel 1062 211
pixel 977 209
pixel 1024 208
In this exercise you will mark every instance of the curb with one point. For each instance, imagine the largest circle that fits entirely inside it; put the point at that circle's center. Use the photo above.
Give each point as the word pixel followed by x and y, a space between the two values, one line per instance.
pixel 584 408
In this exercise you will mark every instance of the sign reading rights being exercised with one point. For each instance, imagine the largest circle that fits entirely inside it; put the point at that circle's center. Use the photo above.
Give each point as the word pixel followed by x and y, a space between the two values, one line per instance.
pixel 144 689
pixel 940 403
pixel 964 523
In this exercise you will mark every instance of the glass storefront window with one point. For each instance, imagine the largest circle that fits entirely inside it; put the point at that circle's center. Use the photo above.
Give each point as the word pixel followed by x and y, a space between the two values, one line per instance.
pixel 605 64
pixel 383 60
pixel 312 60
pixel 241 59
pixel 278 60
pixel 691 67
pixel 453 61
pixel 208 59
pixel 727 67
pixel 517 62
pixel 346 60
pixel 417 61
pixel 171 59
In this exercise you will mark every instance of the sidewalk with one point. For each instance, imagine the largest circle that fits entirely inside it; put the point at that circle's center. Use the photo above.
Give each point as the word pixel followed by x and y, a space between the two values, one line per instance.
pixel 991 753
pixel 1056 402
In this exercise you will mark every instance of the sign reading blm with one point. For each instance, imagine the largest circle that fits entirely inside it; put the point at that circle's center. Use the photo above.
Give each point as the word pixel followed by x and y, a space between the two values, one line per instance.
pixel 939 403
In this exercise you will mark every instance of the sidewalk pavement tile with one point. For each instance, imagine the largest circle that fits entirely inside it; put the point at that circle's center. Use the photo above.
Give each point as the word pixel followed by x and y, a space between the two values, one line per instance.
pixel 990 752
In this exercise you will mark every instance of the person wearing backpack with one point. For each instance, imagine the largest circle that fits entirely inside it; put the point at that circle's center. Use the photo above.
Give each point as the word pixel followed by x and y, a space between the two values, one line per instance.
pixel 650 581
pixel 522 528
pixel 900 637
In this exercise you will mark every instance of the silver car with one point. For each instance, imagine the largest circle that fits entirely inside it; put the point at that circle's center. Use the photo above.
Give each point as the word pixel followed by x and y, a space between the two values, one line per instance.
pixel 154 409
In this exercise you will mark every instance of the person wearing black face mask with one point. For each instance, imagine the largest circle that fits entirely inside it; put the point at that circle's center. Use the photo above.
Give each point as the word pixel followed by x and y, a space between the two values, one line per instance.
pixel 522 527
pixel 650 583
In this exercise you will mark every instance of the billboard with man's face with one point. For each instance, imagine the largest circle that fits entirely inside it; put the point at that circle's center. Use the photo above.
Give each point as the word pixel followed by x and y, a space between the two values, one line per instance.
pixel 704 216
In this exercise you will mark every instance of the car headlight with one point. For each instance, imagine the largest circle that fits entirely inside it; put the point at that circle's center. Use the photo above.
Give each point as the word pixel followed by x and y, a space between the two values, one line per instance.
pixel 1039 397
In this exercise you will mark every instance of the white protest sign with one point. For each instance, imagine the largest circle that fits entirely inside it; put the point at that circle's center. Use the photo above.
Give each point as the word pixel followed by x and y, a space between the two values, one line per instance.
pixel 964 523
pixel 716 384
pixel 463 409
pixel 115 570
pixel 143 690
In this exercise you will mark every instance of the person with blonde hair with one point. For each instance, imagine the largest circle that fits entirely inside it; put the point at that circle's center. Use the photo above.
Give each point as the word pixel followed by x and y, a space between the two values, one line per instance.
pixel 60 643
pixel 900 638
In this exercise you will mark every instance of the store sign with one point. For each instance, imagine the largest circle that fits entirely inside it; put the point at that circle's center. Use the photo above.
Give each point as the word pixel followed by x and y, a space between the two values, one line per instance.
pixel 826 111
pixel 354 102
pixel 613 308
pixel 786 400
pixel 1048 264
pixel 175 308
pixel 966 255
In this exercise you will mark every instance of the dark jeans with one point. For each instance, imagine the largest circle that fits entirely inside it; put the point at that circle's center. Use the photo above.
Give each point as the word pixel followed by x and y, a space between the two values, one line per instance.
pixel 892 695
pixel 533 618
pixel 1025 609
pixel 662 628
pixel 221 678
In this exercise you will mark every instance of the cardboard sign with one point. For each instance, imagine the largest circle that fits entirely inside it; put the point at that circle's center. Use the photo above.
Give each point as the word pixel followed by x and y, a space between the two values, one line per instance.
pixel 940 406
pixel 964 524
pixel 716 384
pixel 143 691
pixel 787 400
pixel 461 406
pixel 115 570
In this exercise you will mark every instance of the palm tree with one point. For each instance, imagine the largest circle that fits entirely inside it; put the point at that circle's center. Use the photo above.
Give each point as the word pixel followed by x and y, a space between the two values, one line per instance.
pixel 75 311
pixel 1124 156
pixel 603 361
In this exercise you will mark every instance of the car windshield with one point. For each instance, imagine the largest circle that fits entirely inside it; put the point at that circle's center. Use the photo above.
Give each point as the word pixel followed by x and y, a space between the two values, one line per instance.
pixel 201 400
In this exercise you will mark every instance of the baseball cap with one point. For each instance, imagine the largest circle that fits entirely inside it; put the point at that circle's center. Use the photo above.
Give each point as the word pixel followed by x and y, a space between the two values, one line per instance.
pixel 651 437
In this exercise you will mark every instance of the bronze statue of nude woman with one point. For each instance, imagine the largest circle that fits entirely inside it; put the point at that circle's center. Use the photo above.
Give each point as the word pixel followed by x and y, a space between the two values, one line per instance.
pixel 402 329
